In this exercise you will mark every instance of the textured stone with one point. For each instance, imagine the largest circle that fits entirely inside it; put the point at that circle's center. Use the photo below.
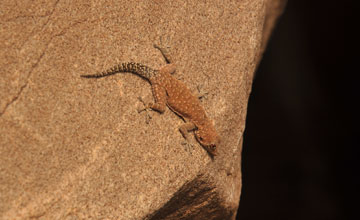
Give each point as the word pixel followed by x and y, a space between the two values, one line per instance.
pixel 73 148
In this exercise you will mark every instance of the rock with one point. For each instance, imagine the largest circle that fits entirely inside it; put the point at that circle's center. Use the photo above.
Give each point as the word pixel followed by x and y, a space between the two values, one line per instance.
pixel 75 148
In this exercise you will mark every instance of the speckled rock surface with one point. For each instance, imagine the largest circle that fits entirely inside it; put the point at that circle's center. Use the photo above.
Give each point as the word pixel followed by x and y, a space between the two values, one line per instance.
pixel 73 148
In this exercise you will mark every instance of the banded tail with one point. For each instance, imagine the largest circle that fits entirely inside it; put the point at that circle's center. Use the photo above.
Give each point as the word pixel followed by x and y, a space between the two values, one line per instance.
pixel 136 68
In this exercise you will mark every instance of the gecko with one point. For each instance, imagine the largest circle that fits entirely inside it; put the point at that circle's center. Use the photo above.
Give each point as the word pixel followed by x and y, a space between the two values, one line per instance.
pixel 171 92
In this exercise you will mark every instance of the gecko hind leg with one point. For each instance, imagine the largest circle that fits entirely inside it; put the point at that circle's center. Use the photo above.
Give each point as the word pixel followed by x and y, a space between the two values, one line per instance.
pixel 146 109
pixel 164 49
pixel 169 67
pixel 151 106
pixel 160 101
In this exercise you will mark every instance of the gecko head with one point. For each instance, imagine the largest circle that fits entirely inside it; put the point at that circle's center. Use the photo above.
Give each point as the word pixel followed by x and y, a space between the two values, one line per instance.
pixel 209 140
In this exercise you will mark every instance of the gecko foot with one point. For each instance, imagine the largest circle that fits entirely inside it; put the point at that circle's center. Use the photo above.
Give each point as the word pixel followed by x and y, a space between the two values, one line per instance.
pixel 146 109
pixel 164 49
pixel 188 146
pixel 201 94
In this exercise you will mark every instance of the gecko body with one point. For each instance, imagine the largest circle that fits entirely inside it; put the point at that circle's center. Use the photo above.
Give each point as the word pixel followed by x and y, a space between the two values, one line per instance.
pixel 171 92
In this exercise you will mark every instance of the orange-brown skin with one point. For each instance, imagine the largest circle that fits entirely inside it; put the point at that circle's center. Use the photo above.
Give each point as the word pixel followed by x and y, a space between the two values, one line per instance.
pixel 168 90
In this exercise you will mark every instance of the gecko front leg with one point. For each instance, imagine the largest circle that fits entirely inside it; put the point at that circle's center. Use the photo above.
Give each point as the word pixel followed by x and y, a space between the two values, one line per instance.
pixel 184 130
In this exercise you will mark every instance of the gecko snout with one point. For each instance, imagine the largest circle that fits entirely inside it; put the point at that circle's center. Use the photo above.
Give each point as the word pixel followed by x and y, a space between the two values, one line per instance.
pixel 212 149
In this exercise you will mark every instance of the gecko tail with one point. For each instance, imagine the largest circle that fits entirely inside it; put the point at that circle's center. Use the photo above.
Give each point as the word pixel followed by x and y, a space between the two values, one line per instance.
pixel 131 67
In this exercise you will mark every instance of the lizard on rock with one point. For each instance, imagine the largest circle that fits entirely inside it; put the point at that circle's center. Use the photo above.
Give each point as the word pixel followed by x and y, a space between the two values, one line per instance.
pixel 168 90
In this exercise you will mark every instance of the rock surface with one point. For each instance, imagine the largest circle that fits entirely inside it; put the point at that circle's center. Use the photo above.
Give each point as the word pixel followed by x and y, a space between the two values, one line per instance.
pixel 74 148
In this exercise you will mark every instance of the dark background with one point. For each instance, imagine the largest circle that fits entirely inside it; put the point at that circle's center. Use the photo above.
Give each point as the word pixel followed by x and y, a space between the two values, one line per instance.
pixel 301 152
